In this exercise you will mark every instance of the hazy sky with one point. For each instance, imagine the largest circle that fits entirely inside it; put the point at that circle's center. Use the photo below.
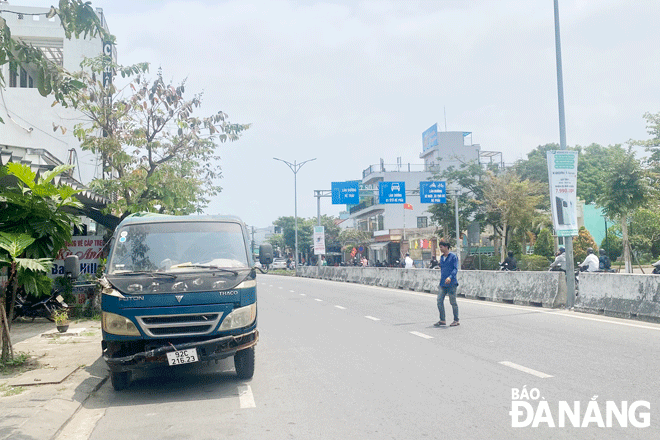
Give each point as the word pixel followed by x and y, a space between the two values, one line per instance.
pixel 349 82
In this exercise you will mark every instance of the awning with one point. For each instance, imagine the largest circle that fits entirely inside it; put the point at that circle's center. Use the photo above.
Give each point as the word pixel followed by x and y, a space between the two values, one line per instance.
pixel 378 246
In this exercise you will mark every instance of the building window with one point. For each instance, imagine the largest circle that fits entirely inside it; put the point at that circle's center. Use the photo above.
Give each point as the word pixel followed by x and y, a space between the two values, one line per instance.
pixel 381 222
pixel 422 222
pixel 13 73
pixel 24 78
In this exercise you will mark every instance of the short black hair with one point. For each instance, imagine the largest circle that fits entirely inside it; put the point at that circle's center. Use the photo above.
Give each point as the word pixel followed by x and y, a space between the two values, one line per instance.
pixel 444 243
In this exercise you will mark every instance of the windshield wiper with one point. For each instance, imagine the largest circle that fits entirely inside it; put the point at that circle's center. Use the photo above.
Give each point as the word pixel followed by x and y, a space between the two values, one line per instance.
pixel 145 272
pixel 211 266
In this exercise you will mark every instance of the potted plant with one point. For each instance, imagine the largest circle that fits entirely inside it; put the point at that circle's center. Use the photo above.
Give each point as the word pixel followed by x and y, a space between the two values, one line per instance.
pixel 61 318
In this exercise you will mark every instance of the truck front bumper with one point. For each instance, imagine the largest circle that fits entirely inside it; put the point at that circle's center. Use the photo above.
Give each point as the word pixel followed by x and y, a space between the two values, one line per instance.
pixel 207 350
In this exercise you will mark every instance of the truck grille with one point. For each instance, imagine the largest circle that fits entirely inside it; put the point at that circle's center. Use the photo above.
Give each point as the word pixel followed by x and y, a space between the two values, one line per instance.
pixel 179 325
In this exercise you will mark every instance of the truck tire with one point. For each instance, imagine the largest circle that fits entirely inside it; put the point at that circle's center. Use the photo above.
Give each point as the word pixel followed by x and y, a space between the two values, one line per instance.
pixel 120 380
pixel 244 363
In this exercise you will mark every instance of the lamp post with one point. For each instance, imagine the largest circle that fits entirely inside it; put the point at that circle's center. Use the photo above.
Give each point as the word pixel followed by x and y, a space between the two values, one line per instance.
pixel 568 241
pixel 295 167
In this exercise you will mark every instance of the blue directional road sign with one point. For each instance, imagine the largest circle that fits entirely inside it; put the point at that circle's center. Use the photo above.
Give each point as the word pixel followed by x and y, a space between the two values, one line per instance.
pixel 346 193
pixel 392 192
pixel 433 192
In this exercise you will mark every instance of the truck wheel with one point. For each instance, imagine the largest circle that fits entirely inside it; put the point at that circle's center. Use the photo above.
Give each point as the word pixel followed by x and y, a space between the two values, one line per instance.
pixel 244 363
pixel 120 380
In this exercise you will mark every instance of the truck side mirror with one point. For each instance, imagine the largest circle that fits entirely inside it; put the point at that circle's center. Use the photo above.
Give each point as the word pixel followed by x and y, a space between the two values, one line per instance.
pixel 266 253
pixel 72 266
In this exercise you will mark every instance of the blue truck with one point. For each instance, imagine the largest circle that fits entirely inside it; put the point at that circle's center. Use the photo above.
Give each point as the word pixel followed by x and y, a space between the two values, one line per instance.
pixel 179 290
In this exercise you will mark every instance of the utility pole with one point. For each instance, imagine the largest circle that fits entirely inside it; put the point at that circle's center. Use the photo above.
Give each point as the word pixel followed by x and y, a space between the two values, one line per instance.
pixel 295 167
pixel 568 241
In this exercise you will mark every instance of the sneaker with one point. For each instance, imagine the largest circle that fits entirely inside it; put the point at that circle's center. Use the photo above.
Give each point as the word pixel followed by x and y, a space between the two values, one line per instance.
pixel 454 324
pixel 439 323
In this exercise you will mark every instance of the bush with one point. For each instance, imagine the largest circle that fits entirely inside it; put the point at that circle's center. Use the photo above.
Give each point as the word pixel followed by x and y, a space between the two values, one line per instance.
pixel 544 245
pixel 485 262
pixel 533 262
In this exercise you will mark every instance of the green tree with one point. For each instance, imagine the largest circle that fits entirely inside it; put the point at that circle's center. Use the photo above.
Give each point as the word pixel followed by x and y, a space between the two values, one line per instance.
pixel 77 18
pixel 22 272
pixel 515 201
pixel 612 242
pixel 592 163
pixel 468 177
pixel 39 208
pixel 305 233
pixel 625 189
pixel 159 157
pixel 544 244
pixel 645 230
pixel 581 242
pixel 652 146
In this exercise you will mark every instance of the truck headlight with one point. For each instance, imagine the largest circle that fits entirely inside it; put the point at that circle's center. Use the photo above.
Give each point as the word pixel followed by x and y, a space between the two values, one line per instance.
pixel 241 317
pixel 118 325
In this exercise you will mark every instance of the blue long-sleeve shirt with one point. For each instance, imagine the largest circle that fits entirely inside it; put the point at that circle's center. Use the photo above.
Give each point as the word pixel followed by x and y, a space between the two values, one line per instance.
pixel 449 269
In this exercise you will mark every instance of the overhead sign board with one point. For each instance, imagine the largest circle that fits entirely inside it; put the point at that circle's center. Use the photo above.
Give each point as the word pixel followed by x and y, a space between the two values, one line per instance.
pixel 430 138
pixel 433 192
pixel 391 192
pixel 346 193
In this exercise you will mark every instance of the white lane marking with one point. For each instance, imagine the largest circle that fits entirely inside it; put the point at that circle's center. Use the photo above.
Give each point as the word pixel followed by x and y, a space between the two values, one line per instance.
pixel 280 287
pixel 319 300
pixel 245 396
pixel 292 291
pixel 372 318
pixel 303 294
pixel 422 335
pixel 525 369
pixel 567 314
pixel 341 308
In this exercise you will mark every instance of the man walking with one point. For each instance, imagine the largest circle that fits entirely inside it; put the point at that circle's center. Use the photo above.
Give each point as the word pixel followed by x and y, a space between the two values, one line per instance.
pixel 448 284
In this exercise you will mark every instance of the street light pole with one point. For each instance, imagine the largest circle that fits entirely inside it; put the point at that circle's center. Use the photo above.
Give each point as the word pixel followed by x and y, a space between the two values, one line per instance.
pixel 568 241
pixel 295 167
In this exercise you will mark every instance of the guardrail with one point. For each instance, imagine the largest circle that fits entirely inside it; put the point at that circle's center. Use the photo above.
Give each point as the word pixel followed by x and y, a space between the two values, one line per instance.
pixel 546 289
pixel 632 296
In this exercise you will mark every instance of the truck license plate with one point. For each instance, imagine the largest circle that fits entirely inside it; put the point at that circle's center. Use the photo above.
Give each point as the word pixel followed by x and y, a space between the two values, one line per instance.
pixel 182 356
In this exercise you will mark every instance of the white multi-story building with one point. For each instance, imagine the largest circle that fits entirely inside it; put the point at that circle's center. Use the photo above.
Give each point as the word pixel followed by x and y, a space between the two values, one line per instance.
pixel 28 134
pixel 398 230
pixel 29 118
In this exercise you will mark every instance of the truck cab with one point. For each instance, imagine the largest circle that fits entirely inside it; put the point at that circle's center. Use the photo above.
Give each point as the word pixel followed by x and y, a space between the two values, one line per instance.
pixel 179 290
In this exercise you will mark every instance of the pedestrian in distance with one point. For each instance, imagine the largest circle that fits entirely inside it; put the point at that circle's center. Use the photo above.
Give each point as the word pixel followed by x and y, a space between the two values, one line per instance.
pixel 448 284
pixel 409 262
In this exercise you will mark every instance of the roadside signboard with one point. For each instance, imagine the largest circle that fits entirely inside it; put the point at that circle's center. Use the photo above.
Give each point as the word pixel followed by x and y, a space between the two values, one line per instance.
pixel 346 193
pixel 433 192
pixel 319 240
pixel 392 192
pixel 562 175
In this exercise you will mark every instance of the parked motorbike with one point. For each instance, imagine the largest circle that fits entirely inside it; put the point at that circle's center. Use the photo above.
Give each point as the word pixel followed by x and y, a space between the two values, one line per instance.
pixel 31 307
pixel 656 267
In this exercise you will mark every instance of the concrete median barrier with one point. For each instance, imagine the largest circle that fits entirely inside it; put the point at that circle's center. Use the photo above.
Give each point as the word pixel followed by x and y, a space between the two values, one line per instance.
pixel 621 295
pixel 546 289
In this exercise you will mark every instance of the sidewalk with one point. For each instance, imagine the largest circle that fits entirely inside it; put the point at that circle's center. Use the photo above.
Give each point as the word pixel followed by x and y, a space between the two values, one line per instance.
pixel 38 403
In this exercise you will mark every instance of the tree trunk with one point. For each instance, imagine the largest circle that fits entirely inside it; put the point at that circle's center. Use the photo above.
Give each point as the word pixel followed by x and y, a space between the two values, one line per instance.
pixel 7 349
pixel 503 244
pixel 626 246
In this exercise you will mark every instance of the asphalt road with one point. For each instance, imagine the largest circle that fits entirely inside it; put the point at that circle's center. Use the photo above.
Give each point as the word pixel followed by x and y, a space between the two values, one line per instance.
pixel 339 360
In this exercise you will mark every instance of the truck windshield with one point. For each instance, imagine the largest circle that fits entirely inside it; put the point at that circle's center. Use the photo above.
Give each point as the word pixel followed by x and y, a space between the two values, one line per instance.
pixel 178 247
